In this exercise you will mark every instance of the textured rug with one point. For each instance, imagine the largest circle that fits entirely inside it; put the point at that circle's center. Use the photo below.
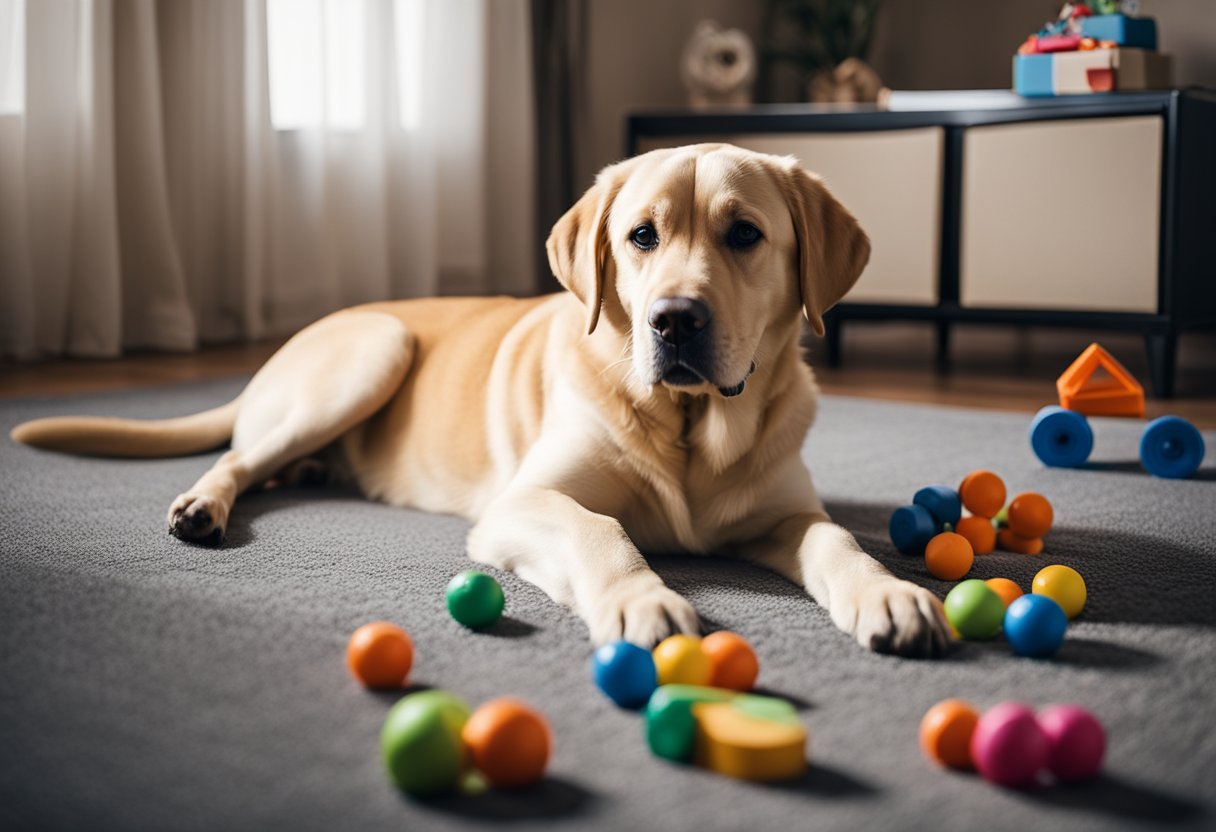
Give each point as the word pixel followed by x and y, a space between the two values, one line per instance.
pixel 149 684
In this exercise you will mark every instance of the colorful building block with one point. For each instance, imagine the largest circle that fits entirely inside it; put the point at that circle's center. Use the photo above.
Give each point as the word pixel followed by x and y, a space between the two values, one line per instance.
pixel 1115 393
pixel 732 741
pixel 1136 32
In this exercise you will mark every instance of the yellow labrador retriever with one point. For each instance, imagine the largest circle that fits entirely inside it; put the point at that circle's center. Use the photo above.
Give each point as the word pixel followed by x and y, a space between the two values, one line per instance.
pixel 658 406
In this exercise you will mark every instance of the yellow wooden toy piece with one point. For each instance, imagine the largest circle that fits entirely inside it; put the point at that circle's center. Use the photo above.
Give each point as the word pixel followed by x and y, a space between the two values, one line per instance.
pixel 737 744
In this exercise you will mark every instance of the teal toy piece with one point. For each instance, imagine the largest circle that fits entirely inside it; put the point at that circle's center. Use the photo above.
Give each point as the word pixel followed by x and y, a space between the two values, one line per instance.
pixel 1061 438
pixel 475 599
pixel 943 503
pixel 1171 448
pixel 1035 626
pixel 625 673
pixel 671 728
pixel 911 529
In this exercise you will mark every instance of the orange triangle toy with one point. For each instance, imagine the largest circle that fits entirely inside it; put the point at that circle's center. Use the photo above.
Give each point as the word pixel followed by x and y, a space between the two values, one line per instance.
pixel 1115 394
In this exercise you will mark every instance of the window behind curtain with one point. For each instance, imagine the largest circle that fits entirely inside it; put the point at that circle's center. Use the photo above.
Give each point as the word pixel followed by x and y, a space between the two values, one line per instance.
pixel 318 57
pixel 12 57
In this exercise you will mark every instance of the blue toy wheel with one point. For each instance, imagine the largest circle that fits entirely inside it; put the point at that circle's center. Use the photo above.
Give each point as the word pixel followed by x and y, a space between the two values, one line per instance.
pixel 1061 438
pixel 1171 448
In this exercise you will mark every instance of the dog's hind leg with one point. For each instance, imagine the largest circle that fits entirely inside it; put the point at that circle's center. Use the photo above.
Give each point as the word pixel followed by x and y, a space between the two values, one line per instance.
pixel 327 379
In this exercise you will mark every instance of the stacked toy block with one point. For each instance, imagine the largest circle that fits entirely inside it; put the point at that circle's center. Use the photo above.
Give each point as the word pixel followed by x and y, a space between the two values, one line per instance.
pixel 1092 47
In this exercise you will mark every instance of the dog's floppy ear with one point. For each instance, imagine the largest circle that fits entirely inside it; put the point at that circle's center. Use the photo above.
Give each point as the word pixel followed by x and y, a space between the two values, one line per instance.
pixel 578 245
pixel 832 248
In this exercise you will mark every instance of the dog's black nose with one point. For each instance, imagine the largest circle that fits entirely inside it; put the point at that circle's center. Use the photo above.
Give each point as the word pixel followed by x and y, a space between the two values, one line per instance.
pixel 678 320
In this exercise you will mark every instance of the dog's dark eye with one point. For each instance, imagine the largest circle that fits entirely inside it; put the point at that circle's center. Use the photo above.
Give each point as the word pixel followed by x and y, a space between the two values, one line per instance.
pixel 743 235
pixel 645 237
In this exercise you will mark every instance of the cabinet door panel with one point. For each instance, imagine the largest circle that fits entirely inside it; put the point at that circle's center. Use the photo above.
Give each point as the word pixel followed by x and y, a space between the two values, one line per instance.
pixel 1062 215
pixel 890 180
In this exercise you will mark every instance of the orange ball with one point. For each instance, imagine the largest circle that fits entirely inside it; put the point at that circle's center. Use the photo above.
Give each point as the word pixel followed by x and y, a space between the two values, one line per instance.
pixel 1030 515
pixel 1011 542
pixel 1007 589
pixel 509 742
pixel 979 532
pixel 945 733
pixel 949 556
pixel 732 662
pixel 983 493
pixel 380 655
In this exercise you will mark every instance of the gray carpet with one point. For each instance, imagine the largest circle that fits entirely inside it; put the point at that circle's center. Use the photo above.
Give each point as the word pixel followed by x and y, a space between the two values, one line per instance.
pixel 149 684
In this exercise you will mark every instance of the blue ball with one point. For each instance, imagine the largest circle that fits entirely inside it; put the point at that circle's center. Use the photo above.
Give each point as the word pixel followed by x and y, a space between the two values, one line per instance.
pixel 1061 438
pixel 1171 448
pixel 911 529
pixel 943 503
pixel 626 673
pixel 1034 626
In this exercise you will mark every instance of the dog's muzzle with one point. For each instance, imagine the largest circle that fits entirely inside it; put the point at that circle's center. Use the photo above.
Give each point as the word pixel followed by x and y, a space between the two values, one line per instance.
pixel 683 346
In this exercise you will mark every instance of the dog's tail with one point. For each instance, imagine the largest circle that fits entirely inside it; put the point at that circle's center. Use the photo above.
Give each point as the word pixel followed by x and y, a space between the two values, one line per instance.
pixel 146 438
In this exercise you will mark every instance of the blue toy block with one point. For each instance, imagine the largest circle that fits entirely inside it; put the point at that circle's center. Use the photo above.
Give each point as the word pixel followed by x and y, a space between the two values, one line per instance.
pixel 911 529
pixel 1136 32
pixel 1032 75
pixel 943 503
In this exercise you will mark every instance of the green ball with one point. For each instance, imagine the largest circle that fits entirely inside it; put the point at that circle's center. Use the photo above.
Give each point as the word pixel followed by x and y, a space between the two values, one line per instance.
pixel 420 742
pixel 475 599
pixel 975 610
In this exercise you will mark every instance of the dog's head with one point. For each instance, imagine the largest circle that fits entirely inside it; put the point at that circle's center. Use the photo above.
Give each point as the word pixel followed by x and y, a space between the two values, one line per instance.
pixel 697 253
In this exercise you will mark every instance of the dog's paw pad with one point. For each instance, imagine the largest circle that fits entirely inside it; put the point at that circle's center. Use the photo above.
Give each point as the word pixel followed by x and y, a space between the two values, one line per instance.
pixel 198 518
pixel 902 618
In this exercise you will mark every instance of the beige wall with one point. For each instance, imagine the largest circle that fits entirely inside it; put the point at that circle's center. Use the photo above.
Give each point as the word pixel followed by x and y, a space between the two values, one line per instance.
pixel 635 48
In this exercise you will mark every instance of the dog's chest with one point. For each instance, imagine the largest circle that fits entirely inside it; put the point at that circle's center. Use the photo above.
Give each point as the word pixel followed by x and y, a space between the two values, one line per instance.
pixel 688 508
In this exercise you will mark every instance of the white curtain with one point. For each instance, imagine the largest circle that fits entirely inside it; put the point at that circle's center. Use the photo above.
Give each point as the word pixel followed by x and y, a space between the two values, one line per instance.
pixel 183 171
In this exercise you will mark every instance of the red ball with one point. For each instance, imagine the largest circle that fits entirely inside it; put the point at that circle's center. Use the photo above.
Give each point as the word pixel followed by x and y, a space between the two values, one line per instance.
pixel 1008 746
pixel 1077 739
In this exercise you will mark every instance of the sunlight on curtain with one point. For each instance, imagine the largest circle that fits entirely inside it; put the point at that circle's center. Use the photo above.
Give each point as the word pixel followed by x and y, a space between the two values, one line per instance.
pixel 12 56
pixel 182 171
pixel 316 53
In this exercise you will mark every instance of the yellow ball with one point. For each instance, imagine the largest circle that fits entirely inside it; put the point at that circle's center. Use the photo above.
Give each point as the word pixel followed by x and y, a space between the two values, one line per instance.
pixel 1063 585
pixel 680 660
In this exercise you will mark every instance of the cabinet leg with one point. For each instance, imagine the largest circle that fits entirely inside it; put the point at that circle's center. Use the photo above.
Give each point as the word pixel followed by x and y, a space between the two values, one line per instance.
pixel 1161 348
pixel 943 346
pixel 831 334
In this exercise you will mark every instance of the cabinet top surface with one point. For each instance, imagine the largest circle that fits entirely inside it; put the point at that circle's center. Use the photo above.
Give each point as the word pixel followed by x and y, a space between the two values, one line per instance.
pixel 961 108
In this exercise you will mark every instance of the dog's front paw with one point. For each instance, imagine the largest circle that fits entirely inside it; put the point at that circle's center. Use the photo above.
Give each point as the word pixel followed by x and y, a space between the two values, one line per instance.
pixel 198 518
pixel 894 616
pixel 643 613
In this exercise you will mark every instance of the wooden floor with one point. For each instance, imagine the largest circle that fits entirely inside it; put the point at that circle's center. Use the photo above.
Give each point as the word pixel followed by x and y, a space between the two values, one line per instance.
pixel 993 368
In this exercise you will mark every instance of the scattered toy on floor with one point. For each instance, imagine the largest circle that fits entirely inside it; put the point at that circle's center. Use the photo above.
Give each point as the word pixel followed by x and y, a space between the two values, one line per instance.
pixel 509 742
pixel 380 655
pixel 975 610
pixel 421 744
pixel 679 659
pixel 1011 746
pixel 625 673
pixel 1061 437
pixel 1035 626
pixel 732 661
pixel 1062 584
pixel 949 556
pixel 945 733
pixel 1007 589
pixel 475 599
